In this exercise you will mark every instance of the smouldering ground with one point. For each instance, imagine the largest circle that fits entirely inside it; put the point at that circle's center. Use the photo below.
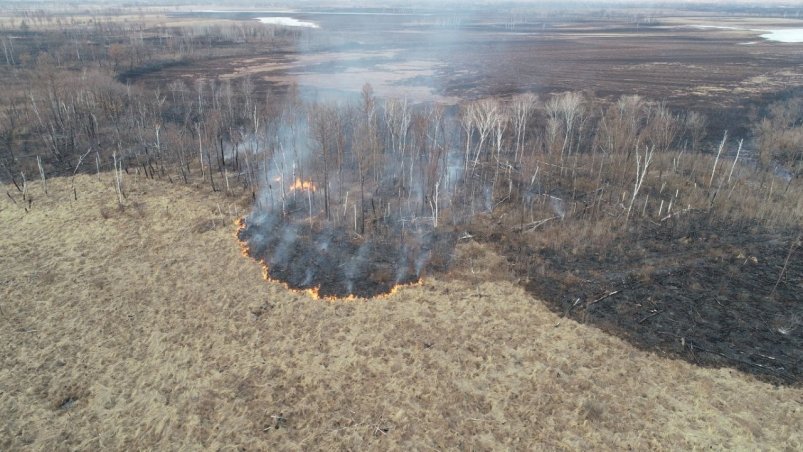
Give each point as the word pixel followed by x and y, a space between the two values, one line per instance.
pixel 146 329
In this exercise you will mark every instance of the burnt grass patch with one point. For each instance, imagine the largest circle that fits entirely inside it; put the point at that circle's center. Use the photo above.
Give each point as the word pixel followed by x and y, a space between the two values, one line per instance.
pixel 697 288
pixel 336 263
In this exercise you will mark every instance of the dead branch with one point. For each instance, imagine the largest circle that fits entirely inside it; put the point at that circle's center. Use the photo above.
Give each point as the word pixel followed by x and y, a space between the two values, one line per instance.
pixel 674 214
pixel 650 316
pixel 576 302
pixel 794 245
pixel 534 225
pixel 603 297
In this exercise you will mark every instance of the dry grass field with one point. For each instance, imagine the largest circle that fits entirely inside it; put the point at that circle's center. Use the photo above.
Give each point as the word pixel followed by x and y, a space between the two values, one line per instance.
pixel 145 328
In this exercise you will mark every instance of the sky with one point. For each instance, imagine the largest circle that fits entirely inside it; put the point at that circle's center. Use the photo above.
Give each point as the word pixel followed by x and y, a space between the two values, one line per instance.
pixel 396 3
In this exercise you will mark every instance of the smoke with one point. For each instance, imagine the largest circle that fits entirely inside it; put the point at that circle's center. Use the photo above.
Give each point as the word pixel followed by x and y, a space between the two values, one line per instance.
pixel 558 206
pixel 361 191
pixel 346 205
pixel 337 263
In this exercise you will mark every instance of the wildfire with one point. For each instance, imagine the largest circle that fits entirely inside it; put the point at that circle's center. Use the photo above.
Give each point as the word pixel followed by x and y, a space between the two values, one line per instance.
pixel 240 223
pixel 303 185
pixel 313 292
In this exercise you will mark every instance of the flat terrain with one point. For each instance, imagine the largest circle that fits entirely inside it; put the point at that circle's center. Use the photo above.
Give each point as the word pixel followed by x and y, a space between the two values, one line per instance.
pixel 442 56
pixel 145 328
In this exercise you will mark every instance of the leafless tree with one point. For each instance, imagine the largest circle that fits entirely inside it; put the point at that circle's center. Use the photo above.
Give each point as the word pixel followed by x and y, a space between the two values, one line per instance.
pixel 322 129
pixel 697 126
pixel 247 88
pixel 500 124
pixel 662 127
pixel 398 117
pixel 486 114
pixel 619 127
pixel 566 109
pixel 642 166
pixel 522 108
pixel 367 148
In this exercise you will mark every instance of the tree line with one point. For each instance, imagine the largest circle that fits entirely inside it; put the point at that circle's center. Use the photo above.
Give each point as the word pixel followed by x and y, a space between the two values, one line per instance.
pixel 375 161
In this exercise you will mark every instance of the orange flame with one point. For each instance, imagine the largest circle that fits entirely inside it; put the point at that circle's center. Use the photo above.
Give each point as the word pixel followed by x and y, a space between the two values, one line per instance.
pixel 313 292
pixel 244 248
pixel 303 185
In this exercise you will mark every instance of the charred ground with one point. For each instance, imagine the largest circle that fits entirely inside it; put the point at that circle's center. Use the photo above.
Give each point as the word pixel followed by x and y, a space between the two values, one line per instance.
pixel 335 263
pixel 693 288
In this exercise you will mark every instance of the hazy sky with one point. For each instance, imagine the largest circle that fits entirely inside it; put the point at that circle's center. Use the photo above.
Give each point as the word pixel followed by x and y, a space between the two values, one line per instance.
pixel 536 2
pixel 269 4
pixel 255 4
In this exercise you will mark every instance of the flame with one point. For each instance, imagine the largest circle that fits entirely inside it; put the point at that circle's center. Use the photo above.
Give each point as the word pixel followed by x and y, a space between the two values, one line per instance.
pixel 244 248
pixel 303 185
pixel 313 292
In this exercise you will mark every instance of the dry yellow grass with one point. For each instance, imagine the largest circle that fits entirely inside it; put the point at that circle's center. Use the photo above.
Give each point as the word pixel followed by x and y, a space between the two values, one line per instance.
pixel 146 329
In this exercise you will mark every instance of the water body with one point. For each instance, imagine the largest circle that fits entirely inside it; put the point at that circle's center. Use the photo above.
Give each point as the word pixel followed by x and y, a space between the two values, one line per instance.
pixel 784 35
pixel 287 22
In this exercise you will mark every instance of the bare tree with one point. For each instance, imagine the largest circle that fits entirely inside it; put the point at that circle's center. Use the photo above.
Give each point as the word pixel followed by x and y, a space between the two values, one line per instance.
pixel 247 88
pixel 642 166
pixel 486 113
pixel 662 127
pixel 716 160
pixel 366 149
pixel 697 126
pixel 467 116
pixel 619 127
pixel 398 117
pixel 567 109
pixel 500 123
pixel 322 125
pixel 521 109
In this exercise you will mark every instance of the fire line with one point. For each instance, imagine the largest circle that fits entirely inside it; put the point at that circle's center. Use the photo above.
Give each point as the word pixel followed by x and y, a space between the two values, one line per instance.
pixel 313 292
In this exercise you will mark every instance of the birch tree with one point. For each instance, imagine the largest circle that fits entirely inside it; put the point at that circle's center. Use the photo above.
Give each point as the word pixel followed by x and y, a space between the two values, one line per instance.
pixel 642 166
pixel 521 110
pixel 566 109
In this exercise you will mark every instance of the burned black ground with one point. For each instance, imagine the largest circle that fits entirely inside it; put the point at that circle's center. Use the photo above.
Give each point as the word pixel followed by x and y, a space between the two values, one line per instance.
pixel 337 263
pixel 694 288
